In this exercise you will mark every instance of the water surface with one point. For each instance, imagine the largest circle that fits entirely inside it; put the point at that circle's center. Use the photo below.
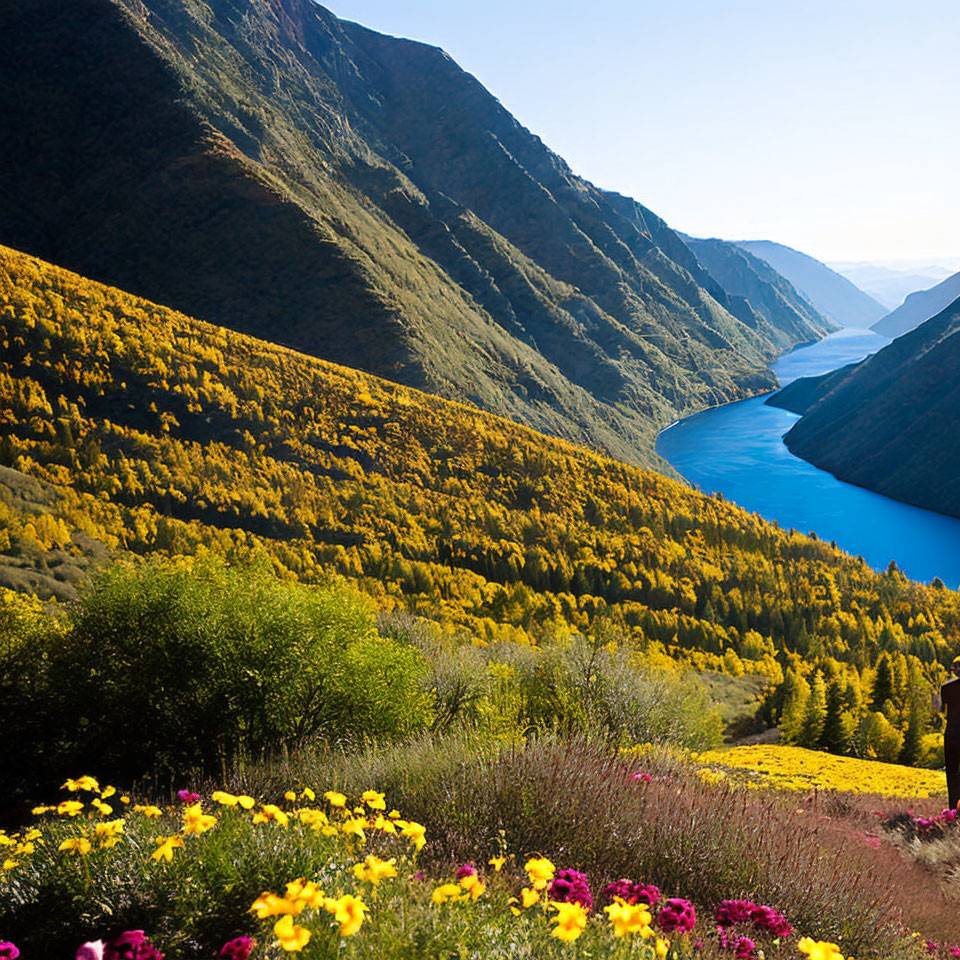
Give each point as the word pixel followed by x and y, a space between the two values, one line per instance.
pixel 738 450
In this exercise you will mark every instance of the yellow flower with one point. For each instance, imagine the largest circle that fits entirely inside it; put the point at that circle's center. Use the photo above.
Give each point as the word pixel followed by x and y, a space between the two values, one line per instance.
pixel 373 869
pixel 196 821
pixel 384 825
pixel 374 800
pixel 348 911
pixel 81 783
pixel 79 845
pixel 662 947
pixel 497 863
pixel 124 799
pixel 354 826
pixel 629 918
pixel 224 798
pixel 166 847
pixel 104 808
pixel 270 905
pixel 445 892
pixel 308 794
pixel 305 893
pixel 33 834
pixel 473 885
pixel 335 799
pixel 69 808
pixel 290 795
pixel 9 864
pixel 148 810
pixel 541 871
pixel 109 832
pixel 270 811
pixel 291 937
pixel 570 920
pixel 6 841
pixel 107 792
pixel 245 802
pixel 41 810
pixel 819 949
pixel 416 832
pixel 529 897
pixel 313 818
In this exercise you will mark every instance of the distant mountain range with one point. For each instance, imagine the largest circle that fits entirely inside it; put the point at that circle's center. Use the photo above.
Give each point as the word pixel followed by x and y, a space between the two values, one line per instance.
pixel 887 285
pixel 264 165
pixel 919 307
pixel 744 275
pixel 832 294
pixel 892 421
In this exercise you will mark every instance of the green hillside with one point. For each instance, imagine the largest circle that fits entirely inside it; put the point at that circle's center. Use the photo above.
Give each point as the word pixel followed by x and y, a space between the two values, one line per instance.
pixel 166 434
pixel 890 422
pixel 360 198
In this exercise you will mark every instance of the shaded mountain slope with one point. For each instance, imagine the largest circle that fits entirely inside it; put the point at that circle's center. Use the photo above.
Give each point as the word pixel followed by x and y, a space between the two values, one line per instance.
pixel 832 294
pixel 892 421
pixel 766 292
pixel 919 307
pixel 261 164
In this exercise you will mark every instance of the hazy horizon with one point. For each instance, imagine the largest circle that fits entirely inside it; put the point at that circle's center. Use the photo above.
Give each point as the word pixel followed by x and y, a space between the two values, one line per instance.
pixel 820 126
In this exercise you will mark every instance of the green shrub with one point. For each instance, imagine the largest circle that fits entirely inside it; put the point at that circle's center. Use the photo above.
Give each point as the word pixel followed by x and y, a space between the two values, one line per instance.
pixel 171 665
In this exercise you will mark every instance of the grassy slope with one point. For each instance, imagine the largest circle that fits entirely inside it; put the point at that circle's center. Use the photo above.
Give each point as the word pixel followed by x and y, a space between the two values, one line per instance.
pixel 167 434
pixel 360 198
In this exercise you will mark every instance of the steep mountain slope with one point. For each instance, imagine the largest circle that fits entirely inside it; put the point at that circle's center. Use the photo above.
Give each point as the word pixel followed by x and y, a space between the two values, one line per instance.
pixel 833 295
pixel 162 433
pixel 891 422
pixel 266 166
pixel 919 307
pixel 766 292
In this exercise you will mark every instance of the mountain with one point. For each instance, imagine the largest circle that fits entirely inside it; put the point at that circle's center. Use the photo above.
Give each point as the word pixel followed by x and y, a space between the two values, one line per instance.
pixel 919 307
pixel 266 166
pixel 891 422
pixel 130 428
pixel 833 295
pixel 765 291
pixel 887 285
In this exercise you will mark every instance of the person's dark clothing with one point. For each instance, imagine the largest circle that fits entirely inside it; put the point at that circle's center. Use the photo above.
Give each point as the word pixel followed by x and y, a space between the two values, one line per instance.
pixel 950 698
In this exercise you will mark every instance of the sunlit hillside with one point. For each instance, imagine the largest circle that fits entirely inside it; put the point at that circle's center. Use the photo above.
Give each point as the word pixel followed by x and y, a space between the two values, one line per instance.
pixel 162 433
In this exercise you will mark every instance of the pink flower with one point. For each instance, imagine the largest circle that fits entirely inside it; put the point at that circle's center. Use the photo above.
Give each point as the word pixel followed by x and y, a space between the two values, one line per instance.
pixel 8 951
pixel 645 777
pixel 732 912
pixel 571 886
pixel 744 949
pixel 467 870
pixel 131 945
pixel 239 948
pixel 91 950
pixel 632 892
pixel 677 914
pixel 188 796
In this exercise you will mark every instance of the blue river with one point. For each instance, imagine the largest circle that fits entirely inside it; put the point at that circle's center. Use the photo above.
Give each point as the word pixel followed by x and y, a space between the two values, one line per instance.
pixel 738 450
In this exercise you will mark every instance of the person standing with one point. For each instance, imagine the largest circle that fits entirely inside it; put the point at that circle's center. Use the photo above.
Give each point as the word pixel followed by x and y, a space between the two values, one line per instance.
pixel 950 699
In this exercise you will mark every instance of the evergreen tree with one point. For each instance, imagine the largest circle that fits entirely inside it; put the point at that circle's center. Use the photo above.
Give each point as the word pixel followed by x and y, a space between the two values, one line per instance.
pixel 882 684
pixel 811 729
pixel 835 734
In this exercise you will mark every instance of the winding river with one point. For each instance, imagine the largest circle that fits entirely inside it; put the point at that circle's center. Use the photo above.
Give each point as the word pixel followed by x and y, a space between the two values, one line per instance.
pixel 737 450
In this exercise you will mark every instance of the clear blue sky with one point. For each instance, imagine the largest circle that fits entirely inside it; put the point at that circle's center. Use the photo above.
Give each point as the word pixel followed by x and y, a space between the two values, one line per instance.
pixel 828 125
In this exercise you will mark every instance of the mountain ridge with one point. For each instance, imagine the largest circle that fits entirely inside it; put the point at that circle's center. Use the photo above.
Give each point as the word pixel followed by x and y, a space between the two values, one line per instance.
pixel 919 307
pixel 267 166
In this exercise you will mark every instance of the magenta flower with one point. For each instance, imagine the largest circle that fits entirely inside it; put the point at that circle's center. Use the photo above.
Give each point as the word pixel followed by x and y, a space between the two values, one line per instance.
pixel 770 921
pixel 677 914
pixel 644 777
pixel 571 886
pixel 239 948
pixel 91 950
pixel 8 951
pixel 732 912
pixel 131 945
pixel 632 892
pixel 744 949
pixel 467 870
pixel 188 796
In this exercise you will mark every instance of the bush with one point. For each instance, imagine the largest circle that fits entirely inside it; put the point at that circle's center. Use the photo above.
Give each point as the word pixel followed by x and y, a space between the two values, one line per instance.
pixel 176 664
